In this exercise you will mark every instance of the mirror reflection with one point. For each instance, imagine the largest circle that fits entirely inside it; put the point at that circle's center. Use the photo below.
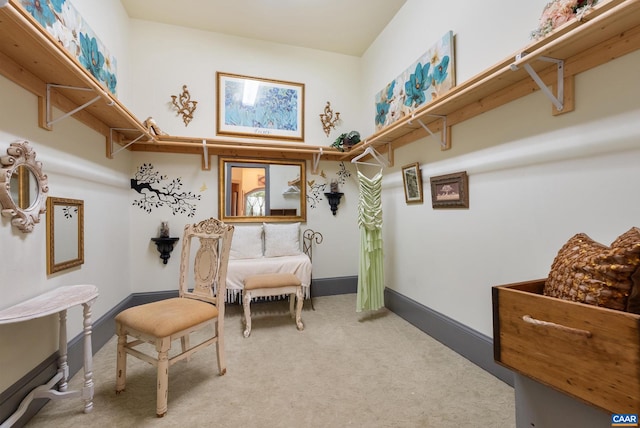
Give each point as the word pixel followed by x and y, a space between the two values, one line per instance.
pixel 65 233
pixel 253 190
pixel 23 186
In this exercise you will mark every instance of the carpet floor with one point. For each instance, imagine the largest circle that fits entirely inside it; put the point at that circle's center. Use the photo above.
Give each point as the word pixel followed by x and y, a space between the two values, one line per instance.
pixel 345 369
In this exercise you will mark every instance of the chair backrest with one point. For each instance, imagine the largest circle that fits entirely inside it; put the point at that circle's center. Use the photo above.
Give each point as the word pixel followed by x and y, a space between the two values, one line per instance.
pixel 209 281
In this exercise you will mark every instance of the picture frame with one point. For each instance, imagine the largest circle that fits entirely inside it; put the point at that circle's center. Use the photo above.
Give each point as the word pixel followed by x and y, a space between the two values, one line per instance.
pixel 412 183
pixel 450 190
pixel 65 233
pixel 261 108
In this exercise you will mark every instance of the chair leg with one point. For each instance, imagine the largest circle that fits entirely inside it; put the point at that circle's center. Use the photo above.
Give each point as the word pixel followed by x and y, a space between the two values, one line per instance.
pixel 162 394
pixel 246 302
pixel 299 308
pixel 292 301
pixel 121 362
pixel 184 342
pixel 222 366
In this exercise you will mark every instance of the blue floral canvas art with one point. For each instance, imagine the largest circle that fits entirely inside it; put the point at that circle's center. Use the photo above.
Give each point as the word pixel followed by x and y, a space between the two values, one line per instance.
pixel 432 75
pixel 65 24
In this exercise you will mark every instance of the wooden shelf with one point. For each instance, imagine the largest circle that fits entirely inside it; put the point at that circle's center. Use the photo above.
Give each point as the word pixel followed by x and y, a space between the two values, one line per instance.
pixel 237 147
pixel 609 31
pixel 31 58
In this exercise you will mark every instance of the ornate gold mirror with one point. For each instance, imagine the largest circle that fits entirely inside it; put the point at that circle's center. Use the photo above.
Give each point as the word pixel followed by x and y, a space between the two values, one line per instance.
pixel 65 234
pixel 256 190
pixel 23 186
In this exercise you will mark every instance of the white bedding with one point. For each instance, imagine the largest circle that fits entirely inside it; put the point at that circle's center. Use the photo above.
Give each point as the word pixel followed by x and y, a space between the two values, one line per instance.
pixel 239 269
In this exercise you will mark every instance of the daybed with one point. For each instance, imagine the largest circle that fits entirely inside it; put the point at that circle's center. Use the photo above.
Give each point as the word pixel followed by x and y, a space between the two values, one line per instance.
pixel 267 248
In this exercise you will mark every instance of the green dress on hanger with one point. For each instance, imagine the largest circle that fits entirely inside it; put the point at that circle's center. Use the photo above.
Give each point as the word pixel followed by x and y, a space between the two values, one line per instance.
pixel 371 273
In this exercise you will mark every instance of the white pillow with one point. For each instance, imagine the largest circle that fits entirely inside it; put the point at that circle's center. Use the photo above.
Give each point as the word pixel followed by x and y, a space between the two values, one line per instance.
pixel 281 239
pixel 246 242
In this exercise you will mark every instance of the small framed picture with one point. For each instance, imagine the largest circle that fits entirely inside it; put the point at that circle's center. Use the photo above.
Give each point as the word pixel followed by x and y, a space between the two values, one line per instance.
pixel 412 179
pixel 450 191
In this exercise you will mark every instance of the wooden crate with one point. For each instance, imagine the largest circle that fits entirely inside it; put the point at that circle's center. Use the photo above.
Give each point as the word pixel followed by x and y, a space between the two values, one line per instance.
pixel 588 352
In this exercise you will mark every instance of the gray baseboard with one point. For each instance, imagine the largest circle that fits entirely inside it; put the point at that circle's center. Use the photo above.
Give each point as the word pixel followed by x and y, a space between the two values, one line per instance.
pixel 334 286
pixel 467 342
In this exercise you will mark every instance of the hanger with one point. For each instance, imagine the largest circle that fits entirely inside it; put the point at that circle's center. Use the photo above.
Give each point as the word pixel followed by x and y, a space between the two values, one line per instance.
pixel 377 156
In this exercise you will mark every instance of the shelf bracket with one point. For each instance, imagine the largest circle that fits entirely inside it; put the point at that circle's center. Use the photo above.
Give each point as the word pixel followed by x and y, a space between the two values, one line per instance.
pixel 443 133
pixel 558 101
pixel 316 162
pixel 205 155
pixel 49 119
pixel 110 152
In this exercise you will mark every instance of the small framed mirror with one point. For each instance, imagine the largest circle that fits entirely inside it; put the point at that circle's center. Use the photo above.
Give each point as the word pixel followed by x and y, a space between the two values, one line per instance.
pixel 23 186
pixel 65 234
pixel 257 190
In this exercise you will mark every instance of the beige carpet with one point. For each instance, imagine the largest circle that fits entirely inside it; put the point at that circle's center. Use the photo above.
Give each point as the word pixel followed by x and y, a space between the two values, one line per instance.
pixel 344 370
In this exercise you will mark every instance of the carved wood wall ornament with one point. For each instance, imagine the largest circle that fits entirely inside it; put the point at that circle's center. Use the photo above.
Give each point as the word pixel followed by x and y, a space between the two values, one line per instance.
pixel 184 106
pixel 329 119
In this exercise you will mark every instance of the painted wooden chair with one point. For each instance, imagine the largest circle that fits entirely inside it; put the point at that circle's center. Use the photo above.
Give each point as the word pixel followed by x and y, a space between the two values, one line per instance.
pixel 160 323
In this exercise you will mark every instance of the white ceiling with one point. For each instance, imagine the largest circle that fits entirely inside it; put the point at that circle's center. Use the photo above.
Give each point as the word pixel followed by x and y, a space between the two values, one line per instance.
pixel 342 26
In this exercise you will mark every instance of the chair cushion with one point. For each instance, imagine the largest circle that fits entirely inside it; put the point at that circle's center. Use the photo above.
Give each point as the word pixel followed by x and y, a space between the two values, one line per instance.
pixel 167 317
pixel 271 280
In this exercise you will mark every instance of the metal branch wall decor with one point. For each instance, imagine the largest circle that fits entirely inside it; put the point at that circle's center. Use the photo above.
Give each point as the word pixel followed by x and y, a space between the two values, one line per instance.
pixel 317 189
pixel 329 119
pixel 183 105
pixel 170 195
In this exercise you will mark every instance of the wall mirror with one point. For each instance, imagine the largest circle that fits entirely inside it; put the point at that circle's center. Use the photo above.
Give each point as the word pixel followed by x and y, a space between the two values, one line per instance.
pixel 23 186
pixel 256 190
pixel 65 233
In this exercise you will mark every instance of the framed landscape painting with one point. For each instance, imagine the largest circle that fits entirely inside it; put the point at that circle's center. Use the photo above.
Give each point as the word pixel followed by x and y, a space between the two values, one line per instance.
pixel 430 76
pixel 450 191
pixel 257 107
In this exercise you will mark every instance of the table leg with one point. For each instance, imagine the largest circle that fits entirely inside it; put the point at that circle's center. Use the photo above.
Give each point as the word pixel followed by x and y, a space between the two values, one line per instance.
pixel 87 390
pixel 63 365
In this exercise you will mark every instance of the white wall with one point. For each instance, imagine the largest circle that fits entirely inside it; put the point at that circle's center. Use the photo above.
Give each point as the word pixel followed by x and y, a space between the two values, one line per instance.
pixel 483 36
pixel 150 274
pixel 534 179
pixel 73 159
pixel 165 58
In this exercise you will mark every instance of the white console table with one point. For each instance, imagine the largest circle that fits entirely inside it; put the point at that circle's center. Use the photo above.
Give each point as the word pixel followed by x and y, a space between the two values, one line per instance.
pixel 52 302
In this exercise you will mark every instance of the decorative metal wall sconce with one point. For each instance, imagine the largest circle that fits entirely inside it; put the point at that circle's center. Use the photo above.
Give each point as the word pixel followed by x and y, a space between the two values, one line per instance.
pixel 334 200
pixel 329 119
pixel 165 247
pixel 184 106
pixel 164 243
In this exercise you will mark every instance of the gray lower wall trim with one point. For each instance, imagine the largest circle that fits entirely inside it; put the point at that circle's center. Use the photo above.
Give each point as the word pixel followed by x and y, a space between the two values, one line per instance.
pixel 13 396
pixel 334 286
pixel 467 342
